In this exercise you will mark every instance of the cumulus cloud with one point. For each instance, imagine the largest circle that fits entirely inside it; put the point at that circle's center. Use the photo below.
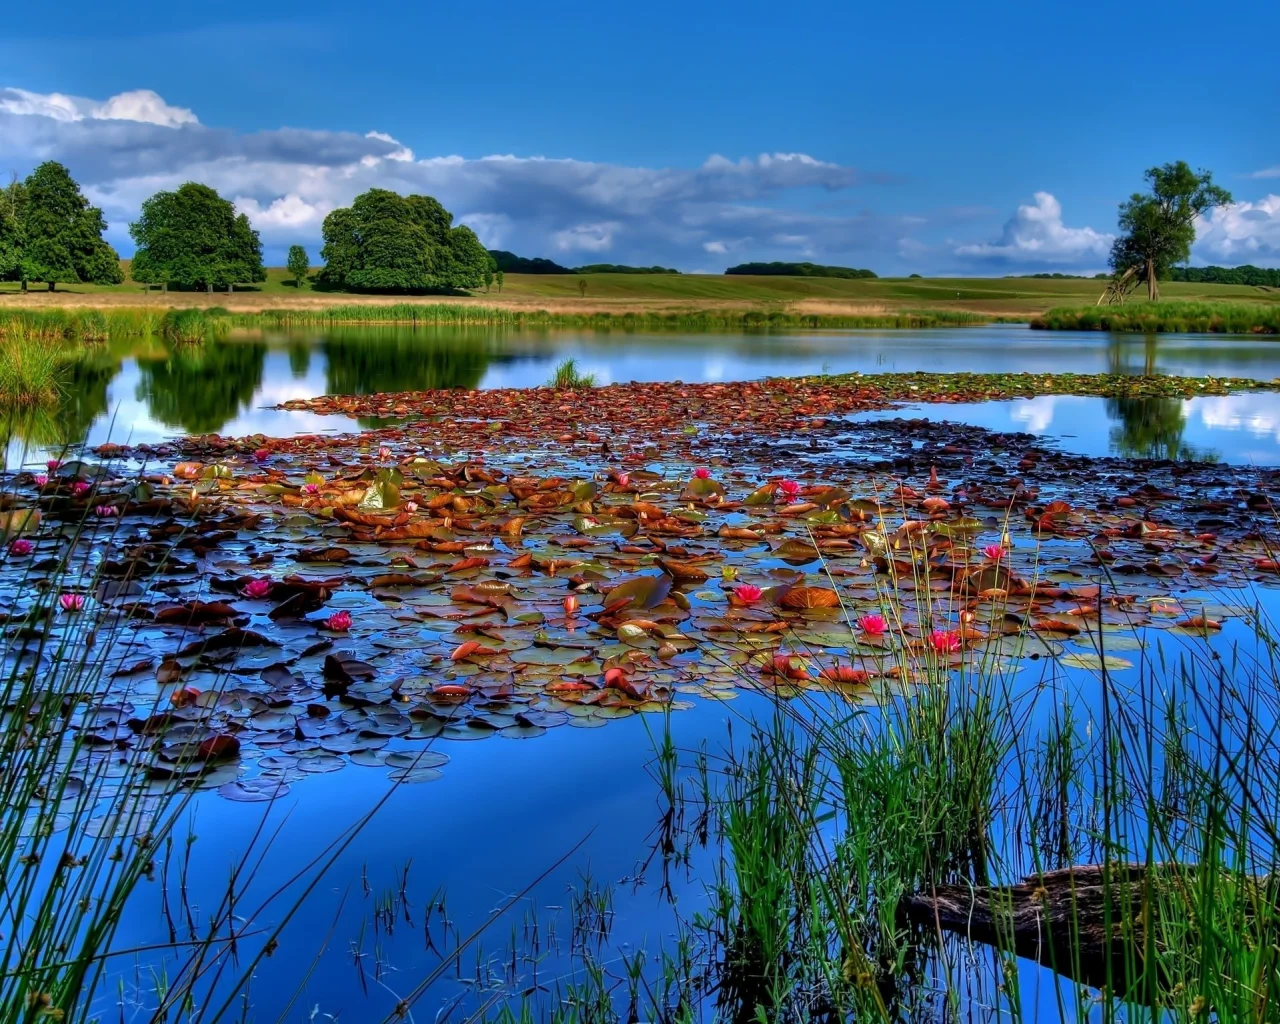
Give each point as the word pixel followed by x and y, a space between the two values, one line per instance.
pixel 1241 232
pixel 1036 235
pixel 140 105
pixel 127 147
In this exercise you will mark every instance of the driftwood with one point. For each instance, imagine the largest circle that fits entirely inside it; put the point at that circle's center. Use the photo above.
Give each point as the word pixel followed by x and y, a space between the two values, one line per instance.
pixel 1079 921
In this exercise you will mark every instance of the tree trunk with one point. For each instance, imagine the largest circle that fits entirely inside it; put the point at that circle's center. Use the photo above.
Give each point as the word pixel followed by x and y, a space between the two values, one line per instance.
pixel 209 287
pixel 24 284
pixel 1153 286
pixel 53 286
pixel 230 288
pixel 1088 922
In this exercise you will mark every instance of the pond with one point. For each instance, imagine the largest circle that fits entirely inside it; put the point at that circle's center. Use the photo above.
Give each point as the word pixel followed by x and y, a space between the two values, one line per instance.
pixel 141 392
pixel 481 615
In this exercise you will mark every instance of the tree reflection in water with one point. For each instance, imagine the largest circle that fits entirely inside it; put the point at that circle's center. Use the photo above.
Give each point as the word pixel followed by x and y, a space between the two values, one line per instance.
pixel 1148 428
pixel 421 360
pixel 201 388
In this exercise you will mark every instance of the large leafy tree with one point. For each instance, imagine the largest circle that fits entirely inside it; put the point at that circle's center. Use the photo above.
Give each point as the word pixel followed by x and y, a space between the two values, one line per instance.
pixel 193 238
pixel 1159 227
pixel 58 235
pixel 387 242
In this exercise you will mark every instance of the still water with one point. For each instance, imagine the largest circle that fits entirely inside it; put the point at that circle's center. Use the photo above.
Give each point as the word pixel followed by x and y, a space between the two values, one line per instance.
pixel 136 391
pixel 507 812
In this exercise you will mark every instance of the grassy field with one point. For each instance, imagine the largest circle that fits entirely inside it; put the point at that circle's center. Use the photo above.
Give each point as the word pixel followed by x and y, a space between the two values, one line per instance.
pixel 1019 298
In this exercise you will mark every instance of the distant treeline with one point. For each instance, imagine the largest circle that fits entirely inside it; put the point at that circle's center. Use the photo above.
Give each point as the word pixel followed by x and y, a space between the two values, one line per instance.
pixel 1060 277
pixel 621 268
pixel 1248 274
pixel 510 263
pixel 798 270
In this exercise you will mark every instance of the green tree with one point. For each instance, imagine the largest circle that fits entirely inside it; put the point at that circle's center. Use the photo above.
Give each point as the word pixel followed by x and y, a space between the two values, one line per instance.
pixel 61 234
pixel 1159 227
pixel 500 276
pixel 193 238
pixel 392 243
pixel 298 265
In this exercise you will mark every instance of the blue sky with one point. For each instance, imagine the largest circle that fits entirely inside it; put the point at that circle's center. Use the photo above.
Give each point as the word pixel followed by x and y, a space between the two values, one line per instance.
pixel 972 139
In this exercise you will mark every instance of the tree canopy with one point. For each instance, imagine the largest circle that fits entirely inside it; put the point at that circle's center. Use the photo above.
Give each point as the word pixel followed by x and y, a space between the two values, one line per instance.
pixel 50 233
pixel 1159 226
pixel 779 269
pixel 387 242
pixel 193 238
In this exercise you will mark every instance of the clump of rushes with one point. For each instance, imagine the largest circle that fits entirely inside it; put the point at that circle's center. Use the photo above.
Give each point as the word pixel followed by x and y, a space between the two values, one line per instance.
pixel 31 369
pixel 567 376
pixel 191 326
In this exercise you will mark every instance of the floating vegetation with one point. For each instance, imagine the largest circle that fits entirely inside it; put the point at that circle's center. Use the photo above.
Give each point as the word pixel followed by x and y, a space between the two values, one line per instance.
pixel 781 404
pixel 1161 317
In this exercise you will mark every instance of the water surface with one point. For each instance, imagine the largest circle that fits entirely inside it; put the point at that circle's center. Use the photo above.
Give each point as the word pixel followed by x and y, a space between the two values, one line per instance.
pixel 142 391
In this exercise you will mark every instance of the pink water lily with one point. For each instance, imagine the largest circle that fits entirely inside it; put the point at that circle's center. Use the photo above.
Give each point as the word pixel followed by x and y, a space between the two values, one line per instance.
pixel 702 473
pixel 53 464
pixel 262 454
pixel 873 624
pixel 624 479
pixel 411 506
pixel 339 622
pixel 945 641
pixel 789 488
pixel 80 488
pixel 71 602
pixel 995 552
pixel 21 546
pixel 310 488
pixel 257 589
pixel 106 511
pixel 748 593
pixel 384 453
pixel 41 479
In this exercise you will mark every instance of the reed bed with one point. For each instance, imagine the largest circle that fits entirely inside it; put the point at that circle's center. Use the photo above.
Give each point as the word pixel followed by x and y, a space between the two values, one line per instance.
pixel 1165 317
pixel 90 325
pixel 444 314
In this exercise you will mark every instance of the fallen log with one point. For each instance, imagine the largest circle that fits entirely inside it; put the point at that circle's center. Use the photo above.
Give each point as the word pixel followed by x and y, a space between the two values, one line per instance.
pixel 1087 922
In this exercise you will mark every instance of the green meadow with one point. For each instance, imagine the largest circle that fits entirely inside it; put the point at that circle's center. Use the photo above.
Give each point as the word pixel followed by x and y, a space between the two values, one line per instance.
pixel 1016 298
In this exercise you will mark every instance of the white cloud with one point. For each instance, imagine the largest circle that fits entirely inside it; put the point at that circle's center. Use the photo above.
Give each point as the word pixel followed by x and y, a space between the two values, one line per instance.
pixel 587 237
pixel 1241 232
pixel 1036 235
pixel 140 105
pixel 127 147
pixel 1266 172
pixel 289 212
